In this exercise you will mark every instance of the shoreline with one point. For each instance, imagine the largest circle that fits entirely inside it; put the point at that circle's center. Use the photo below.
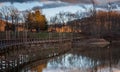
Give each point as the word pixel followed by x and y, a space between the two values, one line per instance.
pixel 91 42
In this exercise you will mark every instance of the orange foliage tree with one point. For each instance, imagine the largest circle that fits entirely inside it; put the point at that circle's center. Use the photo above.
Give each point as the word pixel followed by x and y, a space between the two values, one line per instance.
pixel 35 20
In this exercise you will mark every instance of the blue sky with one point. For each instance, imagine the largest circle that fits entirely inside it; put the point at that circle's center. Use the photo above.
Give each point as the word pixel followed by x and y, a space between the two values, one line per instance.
pixel 50 12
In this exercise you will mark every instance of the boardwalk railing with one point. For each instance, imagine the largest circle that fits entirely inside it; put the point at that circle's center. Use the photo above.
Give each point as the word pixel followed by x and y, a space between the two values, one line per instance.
pixel 7 43
pixel 17 38
pixel 21 49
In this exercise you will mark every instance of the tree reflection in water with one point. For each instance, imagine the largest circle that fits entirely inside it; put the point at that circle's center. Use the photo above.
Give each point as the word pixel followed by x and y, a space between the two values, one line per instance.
pixel 97 59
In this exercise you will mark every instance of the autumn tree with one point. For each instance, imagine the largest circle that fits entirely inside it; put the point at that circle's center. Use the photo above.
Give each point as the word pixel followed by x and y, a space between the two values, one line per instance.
pixel 36 20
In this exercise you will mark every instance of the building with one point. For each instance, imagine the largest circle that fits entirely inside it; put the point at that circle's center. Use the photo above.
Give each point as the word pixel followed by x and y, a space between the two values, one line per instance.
pixel 61 28
pixel 2 25
pixel 11 27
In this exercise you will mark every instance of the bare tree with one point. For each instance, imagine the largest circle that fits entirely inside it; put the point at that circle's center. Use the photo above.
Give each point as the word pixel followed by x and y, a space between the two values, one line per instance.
pixel 0 20
pixel 14 15
pixel 5 13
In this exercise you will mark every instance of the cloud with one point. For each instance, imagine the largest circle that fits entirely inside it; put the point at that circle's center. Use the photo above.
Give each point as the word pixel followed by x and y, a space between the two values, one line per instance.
pixel 0 4
pixel 69 1
pixel 104 1
pixel 86 1
pixel 77 1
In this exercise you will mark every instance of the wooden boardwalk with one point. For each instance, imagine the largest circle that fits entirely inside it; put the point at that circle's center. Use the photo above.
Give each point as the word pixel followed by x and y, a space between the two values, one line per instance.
pixel 16 53
pixel 8 43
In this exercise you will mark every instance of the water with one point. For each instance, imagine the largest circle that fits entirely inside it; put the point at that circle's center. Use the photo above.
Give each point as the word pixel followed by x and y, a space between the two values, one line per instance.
pixel 97 59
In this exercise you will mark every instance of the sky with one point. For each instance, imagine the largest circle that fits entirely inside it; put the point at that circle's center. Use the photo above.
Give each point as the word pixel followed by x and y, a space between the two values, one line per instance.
pixel 29 5
pixel 104 1
pixel 70 1
pixel 85 1
pixel 53 7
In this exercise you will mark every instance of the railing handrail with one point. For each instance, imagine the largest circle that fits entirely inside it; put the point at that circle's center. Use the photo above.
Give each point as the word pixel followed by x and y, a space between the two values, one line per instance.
pixel 18 42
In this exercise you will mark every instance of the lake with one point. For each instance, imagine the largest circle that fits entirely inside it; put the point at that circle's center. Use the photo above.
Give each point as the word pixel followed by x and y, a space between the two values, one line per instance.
pixel 87 59
pixel 95 59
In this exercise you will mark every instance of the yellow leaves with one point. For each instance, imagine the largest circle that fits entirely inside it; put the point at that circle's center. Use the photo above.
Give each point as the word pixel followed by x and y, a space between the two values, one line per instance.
pixel 37 20
pixel 30 16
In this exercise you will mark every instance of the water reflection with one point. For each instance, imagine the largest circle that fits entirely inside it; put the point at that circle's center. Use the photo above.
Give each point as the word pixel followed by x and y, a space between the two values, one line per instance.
pixel 39 68
pixel 71 61
pixel 93 60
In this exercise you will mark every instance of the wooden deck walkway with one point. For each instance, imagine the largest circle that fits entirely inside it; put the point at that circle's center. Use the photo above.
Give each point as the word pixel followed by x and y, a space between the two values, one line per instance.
pixel 8 43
